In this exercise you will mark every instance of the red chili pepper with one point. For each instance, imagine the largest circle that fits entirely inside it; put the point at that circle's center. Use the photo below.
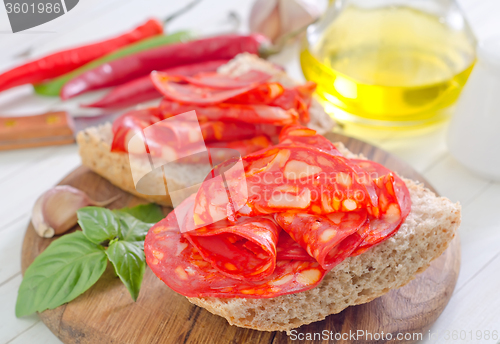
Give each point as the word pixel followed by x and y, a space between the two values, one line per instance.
pixel 62 62
pixel 143 89
pixel 131 67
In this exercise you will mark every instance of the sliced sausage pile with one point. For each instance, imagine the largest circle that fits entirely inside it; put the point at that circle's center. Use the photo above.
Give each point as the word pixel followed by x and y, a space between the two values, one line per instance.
pixel 299 209
pixel 245 113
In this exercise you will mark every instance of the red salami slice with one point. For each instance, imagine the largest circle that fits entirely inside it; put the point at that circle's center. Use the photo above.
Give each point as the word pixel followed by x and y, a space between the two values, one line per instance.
pixel 323 236
pixel 214 131
pixel 170 87
pixel 304 179
pixel 222 193
pixel 256 114
pixel 296 136
pixel 244 147
pixel 298 98
pixel 299 178
pixel 127 125
pixel 394 204
pixel 181 266
pixel 244 250
pixel 263 94
pixel 274 94
pixel 244 137
pixel 225 82
pixel 348 245
pixel 289 249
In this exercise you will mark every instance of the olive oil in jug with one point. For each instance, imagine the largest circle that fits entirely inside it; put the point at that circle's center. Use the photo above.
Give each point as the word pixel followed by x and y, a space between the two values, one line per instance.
pixel 390 66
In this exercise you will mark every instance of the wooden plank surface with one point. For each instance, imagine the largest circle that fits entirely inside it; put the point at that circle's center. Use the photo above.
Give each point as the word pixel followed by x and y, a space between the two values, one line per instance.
pixel 107 314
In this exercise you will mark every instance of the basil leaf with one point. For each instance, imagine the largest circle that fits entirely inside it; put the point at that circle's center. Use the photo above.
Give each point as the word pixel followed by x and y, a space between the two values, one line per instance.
pixel 150 213
pixel 132 229
pixel 66 269
pixel 129 262
pixel 98 224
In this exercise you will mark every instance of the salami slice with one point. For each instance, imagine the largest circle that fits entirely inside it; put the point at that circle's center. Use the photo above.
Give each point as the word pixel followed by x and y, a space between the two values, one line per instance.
pixel 244 250
pixel 128 124
pixel 296 136
pixel 303 179
pixel 348 245
pixel 171 137
pixel 298 98
pixel 180 265
pixel 263 94
pixel 289 249
pixel 256 114
pixel 323 236
pixel 225 82
pixel 394 204
pixel 274 94
pixel 172 89
pixel 244 147
pixel 291 178
pixel 214 131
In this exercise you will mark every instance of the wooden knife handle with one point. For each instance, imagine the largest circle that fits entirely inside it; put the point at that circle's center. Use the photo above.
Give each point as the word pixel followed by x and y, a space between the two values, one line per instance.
pixel 53 128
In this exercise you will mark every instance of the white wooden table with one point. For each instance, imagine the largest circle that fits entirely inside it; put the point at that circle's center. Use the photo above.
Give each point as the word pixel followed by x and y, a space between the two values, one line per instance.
pixel 25 174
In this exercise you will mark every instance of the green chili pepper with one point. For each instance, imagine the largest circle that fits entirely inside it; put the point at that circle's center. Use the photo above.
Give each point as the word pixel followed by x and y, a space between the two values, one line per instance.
pixel 54 86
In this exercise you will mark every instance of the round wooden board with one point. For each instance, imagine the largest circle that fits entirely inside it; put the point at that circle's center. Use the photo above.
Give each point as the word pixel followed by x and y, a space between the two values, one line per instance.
pixel 107 314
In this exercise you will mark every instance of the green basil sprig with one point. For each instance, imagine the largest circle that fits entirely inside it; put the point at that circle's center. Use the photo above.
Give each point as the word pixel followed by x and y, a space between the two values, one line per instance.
pixel 70 265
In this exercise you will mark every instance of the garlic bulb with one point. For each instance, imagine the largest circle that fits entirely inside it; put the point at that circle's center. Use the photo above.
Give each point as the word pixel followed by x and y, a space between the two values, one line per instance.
pixel 54 211
pixel 274 18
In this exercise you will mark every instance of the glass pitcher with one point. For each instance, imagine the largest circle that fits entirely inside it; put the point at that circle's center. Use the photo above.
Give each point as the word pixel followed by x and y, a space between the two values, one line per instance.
pixel 389 63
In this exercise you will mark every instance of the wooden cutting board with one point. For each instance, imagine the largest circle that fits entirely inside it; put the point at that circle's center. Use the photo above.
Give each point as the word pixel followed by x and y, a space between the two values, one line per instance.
pixel 107 314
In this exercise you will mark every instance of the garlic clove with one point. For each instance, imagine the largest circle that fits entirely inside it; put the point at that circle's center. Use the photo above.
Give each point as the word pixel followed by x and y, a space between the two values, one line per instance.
pixel 60 206
pixel 275 18
pixel 41 228
pixel 265 18
pixel 295 14
pixel 55 210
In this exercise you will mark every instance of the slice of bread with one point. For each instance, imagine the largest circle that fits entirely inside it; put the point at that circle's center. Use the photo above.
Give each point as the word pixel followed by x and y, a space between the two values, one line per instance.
pixel 95 143
pixel 425 234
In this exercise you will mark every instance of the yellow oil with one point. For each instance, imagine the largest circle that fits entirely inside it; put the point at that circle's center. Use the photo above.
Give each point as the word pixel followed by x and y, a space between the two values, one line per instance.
pixel 389 65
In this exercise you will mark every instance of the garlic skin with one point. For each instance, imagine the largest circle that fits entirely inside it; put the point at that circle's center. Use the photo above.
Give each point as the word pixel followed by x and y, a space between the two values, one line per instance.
pixel 54 211
pixel 274 18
